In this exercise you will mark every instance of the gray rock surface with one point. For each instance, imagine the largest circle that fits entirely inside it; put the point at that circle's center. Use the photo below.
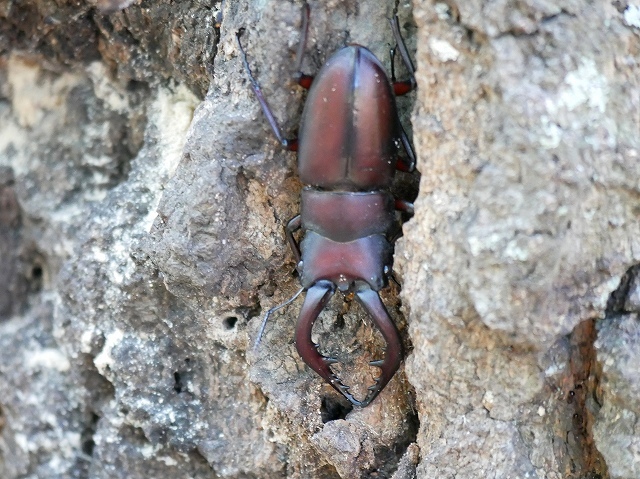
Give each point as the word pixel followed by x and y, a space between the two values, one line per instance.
pixel 142 205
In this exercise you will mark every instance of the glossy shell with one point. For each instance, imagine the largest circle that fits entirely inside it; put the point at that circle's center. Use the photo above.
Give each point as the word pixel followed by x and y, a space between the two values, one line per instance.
pixel 347 139
pixel 346 216
pixel 343 264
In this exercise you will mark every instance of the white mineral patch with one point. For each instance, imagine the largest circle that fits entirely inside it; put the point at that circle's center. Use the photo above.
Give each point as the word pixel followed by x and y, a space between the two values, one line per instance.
pixel 443 50
pixel 47 358
pixel 121 266
pixel 99 254
pixel 85 341
pixel 104 358
pixel 33 94
pixel 552 132
pixel 632 16
pixel 149 450
pixel 168 461
pixel 12 135
pixel 105 89
pixel 443 11
pixel 583 86
pixel 171 113
pixel 22 442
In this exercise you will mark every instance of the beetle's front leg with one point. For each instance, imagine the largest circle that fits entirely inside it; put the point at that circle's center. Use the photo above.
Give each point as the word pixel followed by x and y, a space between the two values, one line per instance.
pixel 294 225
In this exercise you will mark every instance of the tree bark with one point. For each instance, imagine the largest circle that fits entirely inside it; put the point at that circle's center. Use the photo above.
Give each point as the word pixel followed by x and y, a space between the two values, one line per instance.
pixel 142 206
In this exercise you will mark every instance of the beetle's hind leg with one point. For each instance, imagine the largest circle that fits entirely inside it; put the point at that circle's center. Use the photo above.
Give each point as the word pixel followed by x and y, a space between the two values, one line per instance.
pixel 299 76
pixel 407 164
pixel 401 87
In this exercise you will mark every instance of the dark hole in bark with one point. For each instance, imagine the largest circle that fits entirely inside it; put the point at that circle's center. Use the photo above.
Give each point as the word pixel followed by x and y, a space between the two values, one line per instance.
pixel 334 408
pixel 36 272
pixel 88 444
pixel 177 387
pixel 230 322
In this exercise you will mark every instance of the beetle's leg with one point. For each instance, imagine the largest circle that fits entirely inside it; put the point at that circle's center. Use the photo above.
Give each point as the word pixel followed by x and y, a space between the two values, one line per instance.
pixel 404 206
pixel 393 277
pixel 301 78
pixel 401 88
pixel 372 303
pixel 294 225
pixel 289 144
pixel 407 164
pixel 317 298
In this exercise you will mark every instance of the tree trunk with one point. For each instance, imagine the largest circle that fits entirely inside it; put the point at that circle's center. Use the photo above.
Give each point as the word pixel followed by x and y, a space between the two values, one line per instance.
pixel 142 205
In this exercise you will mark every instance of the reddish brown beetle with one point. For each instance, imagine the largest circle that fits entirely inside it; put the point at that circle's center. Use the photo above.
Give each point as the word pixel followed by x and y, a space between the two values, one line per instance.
pixel 347 158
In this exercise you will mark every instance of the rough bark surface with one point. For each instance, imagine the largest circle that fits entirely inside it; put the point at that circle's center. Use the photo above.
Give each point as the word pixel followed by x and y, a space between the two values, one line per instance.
pixel 142 205
pixel 526 128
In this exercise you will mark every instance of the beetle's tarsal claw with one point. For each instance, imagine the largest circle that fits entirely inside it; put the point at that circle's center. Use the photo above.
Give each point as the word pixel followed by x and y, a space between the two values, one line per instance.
pixel 377 363
pixel 330 361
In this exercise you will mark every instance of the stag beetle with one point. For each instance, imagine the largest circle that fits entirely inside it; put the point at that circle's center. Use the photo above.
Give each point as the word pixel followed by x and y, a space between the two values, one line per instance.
pixel 347 157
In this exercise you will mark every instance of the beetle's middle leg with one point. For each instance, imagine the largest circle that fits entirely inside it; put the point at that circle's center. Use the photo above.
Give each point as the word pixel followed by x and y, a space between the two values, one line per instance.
pixel 293 225
pixel 404 206
pixel 406 164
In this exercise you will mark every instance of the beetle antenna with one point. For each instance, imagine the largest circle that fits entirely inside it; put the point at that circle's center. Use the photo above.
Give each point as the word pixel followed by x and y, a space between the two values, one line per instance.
pixel 273 310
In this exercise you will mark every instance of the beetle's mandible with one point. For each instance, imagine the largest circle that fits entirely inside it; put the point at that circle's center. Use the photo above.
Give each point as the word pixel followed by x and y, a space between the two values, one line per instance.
pixel 347 157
